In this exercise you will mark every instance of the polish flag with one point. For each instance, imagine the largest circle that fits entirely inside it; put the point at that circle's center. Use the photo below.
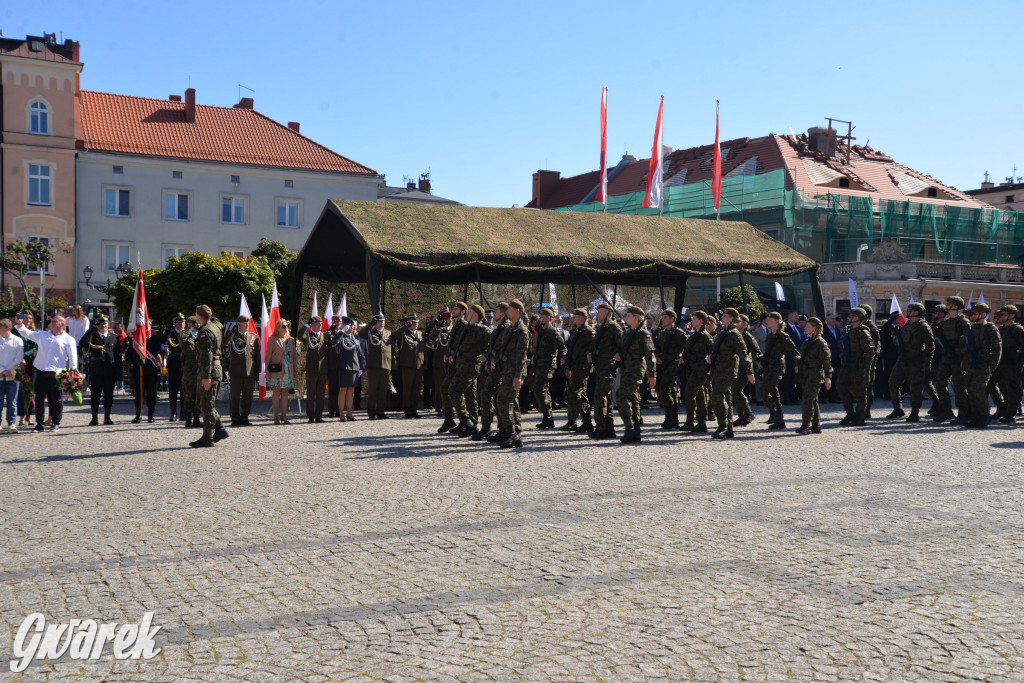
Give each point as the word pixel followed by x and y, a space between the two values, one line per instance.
pixel 716 177
pixel 329 311
pixel 139 329
pixel 243 309
pixel 652 198
pixel 343 306
pixel 602 188
pixel 894 307
pixel 263 346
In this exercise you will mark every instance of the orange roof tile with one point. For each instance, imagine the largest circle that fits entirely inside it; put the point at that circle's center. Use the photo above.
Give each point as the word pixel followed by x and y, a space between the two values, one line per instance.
pixel 139 125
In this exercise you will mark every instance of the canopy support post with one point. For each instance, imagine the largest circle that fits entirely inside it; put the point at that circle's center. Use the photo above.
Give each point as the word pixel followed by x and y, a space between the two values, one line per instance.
pixel 480 287
pixel 819 301
pixel 572 278
pixel 661 288
pixel 374 279
pixel 743 293
pixel 601 294
pixel 680 295
pixel 615 295
pixel 540 300
pixel 465 292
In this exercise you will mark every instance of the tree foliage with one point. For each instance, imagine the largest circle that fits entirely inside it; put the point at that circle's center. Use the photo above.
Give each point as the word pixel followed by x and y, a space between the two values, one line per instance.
pixel 281 261
pixel 733 298
pixel 19 257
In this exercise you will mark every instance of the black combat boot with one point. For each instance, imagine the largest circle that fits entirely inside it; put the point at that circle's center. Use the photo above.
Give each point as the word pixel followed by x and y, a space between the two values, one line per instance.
pixel 686 426
pixel 914 417
pixel 174 416
pixel 467 429
pixel 847 420
pixel 496 437
pixel 896 412
pixel 778 424
pixel 803 430
pixel 107 420
pixel 220 433
pixel 627 436
pixel 569 427
pixel 137 419
pixel 513 440
pixel 479 435
pixel 446 425
pixel 95 421
pixel 205 441
pixel 741 422
pixel 458 429
pixel 586 427
pixel 700 428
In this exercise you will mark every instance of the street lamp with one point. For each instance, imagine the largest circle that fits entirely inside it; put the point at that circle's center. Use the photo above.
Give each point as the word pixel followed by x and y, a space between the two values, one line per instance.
pixel 102 289
pixel 87 273
pixel 861 249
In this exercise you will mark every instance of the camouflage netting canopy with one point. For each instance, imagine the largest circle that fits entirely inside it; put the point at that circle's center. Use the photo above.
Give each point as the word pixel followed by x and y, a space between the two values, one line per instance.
pixel 365 241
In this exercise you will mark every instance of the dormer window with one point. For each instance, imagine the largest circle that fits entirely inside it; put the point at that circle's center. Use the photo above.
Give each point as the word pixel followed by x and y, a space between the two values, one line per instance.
pixel 932 192
pixel 844 182
pixel 39 118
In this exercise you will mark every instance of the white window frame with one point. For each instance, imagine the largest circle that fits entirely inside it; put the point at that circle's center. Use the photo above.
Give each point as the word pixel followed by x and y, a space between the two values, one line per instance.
pixel 29 177
pixel 179 249
pixel 37 107
pixel 49 264
pixel 233 198
pixel 117 245
pixel 298 212
pixel 240 252
pixel 176 193
pixel 118 189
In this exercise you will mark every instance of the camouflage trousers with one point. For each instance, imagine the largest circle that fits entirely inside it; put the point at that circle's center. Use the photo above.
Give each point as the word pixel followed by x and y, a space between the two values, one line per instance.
pixel 506 406
pixel 668 389
pixel 977 391
pixel 604 383
pixel 739 395
pixel 916 378
pixel 446 400
pixel 576 394
pixel 1005 387
pixel 488 400
pixel 721 398
pixel 696 400
pixel 944 372
pixel 207 403
pixel 189 386
pixel 627 398
pixel 542 391
pixel 853 389
pixel 770 389
pixel 810 384
pixel 462 390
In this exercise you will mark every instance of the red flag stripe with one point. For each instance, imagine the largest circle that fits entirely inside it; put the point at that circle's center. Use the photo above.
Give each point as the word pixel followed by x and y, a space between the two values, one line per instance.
pixel 716 178
pixel 602 188
pixel 652 198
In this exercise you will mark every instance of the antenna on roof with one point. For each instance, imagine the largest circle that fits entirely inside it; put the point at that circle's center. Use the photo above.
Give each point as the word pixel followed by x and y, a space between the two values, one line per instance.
pixel 240 86
pixel 791 132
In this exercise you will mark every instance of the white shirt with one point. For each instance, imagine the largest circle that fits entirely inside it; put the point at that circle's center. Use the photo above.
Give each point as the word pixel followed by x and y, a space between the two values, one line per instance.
pixel 55 352
pixel 77 328
pixel 12 352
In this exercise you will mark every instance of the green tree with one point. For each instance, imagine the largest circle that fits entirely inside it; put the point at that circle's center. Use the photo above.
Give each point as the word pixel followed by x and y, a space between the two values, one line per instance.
pixel 19 257
pixel 733 298
pixel 281 261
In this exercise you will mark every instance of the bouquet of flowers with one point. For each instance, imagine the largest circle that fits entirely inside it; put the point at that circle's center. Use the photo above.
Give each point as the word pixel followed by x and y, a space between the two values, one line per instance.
pixel 70 382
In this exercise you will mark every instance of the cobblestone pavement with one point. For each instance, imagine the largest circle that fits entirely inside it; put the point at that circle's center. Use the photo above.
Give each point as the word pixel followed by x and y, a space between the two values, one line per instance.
pixel 382 550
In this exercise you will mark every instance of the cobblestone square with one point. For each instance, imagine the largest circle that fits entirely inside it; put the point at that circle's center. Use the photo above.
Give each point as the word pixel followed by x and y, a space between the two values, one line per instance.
pixel 380 550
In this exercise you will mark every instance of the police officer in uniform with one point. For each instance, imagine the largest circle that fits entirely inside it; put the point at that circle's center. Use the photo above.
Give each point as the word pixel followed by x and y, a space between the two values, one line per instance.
pixel 103 355
pixel 174 364
pixel 316 369
pixel 243 369
pixel 208 345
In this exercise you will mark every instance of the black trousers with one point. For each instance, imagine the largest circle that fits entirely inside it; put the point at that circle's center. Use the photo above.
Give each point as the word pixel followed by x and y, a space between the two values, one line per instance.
pixel 101 381
pixel 147 391
pixel 174 381
pixel 48 390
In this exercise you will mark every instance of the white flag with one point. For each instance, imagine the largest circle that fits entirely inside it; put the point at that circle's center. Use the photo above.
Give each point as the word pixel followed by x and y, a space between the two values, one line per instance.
pixel 779 294
pixel 854 301
pixel 329 311
pixel 970 300
pixel 314 304
pixel 981 297
pixel 343 306
pixel 554 298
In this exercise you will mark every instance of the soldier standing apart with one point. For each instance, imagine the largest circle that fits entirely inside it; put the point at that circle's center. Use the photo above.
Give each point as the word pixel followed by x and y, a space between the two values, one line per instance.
pixel 450 353
pixel 316 370
pixel 208 343
pixel 577 371
pixel 726 355
pixel 1006 380
pixel 467 371
pixel 667 352
pixel 550 346
pixel 984 348
pixel 914 365
pixel 378 367
pixel 512 372
pixel 103 354
pixel 243 369
pixel 408 343
pixel 489 392
pixel 695 364
pixel 950 335
pixel 777 346
pixel 876 352
pixel 607 338
pixel 813 369
pixel 748 362
pixel 636 357
pixel 190 375
pixel 855 372
pixel 174 365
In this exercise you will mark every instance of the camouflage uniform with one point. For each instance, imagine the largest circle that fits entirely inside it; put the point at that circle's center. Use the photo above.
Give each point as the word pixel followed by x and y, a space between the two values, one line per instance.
pixel 581 340
pixel 438 338
pixel 876 342
pixel 855 373
pixel 739 387
pixel 637 353
pixel 668 349
pixel 917 346
pixel 489 392
pixel 458 329
pixel 983 350
pixel 951 336
pixel 189 379
pixel 776 347
pixel 1006 380
pixel 695 365
pixel 550 346
pixel 462 388
pixel 729 349
pixel 510 366
pixel 607 338
pixel 815 367
pixel 208 344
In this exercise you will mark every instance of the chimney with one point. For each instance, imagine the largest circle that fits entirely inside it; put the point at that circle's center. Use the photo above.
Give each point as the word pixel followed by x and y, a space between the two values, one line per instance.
pixel 410 186
pixel 987 185
pixel 73 44
pixel 544 183
pixel 190 105
pixel 424 184
pixel 244 103
pixel 293 125
pixel 175 98
pixel 822 139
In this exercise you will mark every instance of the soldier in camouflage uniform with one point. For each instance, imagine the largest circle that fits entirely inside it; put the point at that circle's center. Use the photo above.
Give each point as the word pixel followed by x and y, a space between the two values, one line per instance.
pixel 550 347
pixel 983 350
pixel 695 365
pixel 950 336
pixel 489 392
pixel 855 372
pixel 777 345
pixel 511 368
pixel 577 370
pixel 667 351
pixel 467 371
pixel 189 374
pixel 916 349
pixel 813 370
pixel 208 345
pixel 876 341
pixel 748 362
pixel 636 358
pixel 454 337
pixel 726 357
pixel 1006 380
pixel 607 338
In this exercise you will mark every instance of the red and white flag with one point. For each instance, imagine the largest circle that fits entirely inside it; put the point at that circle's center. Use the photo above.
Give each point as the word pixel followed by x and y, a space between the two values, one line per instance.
pixel 263 347
pixel 894 307
pixel 244 310
pixel 654 182
pixel 138 328
pixel 716 177
pixel 602 188
pixel 329 311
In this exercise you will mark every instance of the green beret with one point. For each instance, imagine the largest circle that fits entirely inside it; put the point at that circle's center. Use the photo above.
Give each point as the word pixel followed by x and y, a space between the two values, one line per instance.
pixel 547 311
pixel 635 310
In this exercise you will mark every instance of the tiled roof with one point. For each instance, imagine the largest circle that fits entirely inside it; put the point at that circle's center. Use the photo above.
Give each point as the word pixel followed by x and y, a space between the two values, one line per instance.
pixel 150 127
pixel 870 172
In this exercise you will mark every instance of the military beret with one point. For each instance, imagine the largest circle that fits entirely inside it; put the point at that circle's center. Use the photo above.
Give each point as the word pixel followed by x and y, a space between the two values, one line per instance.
pixel 547 311
pixel 775 315
pixel 462 305
pixel 670 313
pixel 178 318
pixel 941 308
pixel 981 307
pixel 635 310
pixel 700 315
pixel 489 313
pixel 1009 308
pixel 956 301
pixel 868 311
pixel 859 312
pixel 916 307
pixel 744 318
pixel 478 309
pixel 443 310
pixel 731 312
pixel 517 304
pixel 101 319
pixel 579 311
pixel 502 305
pixel 377 317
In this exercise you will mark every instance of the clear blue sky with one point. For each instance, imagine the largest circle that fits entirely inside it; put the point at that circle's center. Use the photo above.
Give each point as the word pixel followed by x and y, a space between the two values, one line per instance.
pixel 483 94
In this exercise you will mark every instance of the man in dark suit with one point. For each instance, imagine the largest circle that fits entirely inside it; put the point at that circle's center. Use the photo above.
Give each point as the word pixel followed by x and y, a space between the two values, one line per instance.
pixel 832 333
pixel 788 384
